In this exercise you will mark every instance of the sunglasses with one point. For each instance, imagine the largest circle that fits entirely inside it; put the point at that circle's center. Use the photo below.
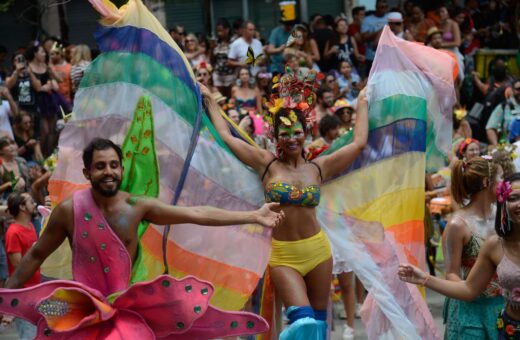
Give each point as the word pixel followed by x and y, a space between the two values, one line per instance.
pixel 190 40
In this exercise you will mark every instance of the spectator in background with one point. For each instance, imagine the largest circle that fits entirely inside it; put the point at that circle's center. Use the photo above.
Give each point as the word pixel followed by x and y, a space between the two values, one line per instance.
pixel 346 115
pixel 329 131
pixel 354 31
pixel 322 34
pixel 223 75
pixel 23 85
pixel 193 51
pixel 348 82
pixel 8 110
pixel 418 25
pixel 203 74
pixel 324 103
pixel 48 102
pixel 19 238
pixel 61 70
pixel 238 49
pixel 277 40
pixel 48 43
pixel 371 30
pixel 450 30
pixel 331 82
pixel 342 47
pixel 81 59
pixel 28 146
pixel 14 172
pixel 263 80
pixel 503 115
pixel 247 97
pixel 395 22
pixel 303 47
pixel 238 25
pixel 178 34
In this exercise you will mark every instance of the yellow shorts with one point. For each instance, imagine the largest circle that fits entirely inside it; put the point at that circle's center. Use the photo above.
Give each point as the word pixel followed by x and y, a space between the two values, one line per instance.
pixel 301 255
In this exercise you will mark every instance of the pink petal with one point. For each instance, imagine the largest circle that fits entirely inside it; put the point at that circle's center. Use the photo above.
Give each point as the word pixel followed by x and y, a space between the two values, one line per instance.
pixel 124 326
pixel 22 302
pixel 166 304
pixel 216 323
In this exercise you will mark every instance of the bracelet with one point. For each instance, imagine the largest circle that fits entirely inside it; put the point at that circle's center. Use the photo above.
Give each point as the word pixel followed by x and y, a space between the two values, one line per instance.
pixel 425 279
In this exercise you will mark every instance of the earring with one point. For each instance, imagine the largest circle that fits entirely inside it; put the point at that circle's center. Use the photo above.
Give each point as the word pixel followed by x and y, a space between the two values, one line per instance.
pixel 239 82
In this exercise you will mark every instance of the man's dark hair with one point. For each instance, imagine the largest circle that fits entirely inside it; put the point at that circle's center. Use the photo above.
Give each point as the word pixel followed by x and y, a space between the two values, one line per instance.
pixel 500 72
pixel 328 123
pixel 14 201
pixel 99 144
pixel 356 10
pixel 323 89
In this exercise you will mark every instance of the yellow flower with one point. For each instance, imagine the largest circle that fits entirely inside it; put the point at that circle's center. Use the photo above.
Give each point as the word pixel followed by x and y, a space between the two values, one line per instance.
pixel 500 323
pixel 278 104
pixel 293 116
pixel 286 121
pixel 276 79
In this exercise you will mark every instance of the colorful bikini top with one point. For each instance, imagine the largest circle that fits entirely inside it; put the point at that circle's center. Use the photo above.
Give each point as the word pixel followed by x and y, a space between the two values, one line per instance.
pixel 285 193
pixel 509 279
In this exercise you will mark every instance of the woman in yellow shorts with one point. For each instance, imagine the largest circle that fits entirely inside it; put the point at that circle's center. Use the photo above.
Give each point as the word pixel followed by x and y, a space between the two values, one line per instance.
pixel 301 262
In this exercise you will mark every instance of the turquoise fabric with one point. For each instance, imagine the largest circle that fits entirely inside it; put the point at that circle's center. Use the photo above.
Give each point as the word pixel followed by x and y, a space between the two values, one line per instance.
pixel 472 320
pixel 305 329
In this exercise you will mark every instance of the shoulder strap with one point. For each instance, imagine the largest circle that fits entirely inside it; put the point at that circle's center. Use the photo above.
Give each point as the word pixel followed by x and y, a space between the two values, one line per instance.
pixel 267 168
pixel 319 169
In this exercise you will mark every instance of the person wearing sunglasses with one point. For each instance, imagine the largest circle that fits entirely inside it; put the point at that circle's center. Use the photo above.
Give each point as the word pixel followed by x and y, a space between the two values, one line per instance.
pixel 395 22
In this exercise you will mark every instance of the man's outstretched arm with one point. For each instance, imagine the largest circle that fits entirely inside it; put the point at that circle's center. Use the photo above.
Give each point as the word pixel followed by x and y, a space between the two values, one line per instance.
pixel 50 240
pixel 160 213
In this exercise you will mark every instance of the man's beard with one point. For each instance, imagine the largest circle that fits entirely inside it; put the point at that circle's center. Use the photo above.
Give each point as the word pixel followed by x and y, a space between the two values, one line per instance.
pixel 96 185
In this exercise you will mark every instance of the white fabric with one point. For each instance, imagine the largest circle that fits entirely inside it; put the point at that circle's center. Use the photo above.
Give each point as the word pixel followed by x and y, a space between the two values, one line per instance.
pixel 5 125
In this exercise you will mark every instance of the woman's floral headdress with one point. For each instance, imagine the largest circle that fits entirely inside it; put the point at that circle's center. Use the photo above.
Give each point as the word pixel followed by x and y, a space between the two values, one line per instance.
pixel 57 47
pixel 292 92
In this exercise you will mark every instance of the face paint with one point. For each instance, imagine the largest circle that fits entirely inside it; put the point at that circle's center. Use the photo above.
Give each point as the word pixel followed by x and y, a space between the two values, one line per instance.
pixel 288 132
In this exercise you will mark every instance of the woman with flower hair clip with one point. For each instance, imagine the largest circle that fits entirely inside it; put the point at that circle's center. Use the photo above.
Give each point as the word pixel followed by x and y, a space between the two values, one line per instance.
pixel 473 185
pixel 301 260
pixel 499 255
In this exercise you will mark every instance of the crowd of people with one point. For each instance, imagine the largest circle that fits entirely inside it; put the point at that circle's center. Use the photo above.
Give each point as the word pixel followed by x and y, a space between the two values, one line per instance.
pixel 237 71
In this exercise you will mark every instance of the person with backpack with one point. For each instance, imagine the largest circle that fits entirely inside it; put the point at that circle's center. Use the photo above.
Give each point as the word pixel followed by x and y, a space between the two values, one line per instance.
pixel 498 125
pixel 493 95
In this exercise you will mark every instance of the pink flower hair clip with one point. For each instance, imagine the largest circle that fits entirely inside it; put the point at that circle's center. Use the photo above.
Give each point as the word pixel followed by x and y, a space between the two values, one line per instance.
pixel 503 191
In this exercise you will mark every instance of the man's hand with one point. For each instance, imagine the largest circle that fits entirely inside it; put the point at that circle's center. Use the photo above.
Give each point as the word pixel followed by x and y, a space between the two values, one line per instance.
pixel 268 217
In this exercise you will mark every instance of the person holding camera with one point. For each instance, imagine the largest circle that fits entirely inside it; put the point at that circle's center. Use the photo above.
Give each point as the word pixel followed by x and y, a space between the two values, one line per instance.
pixel 23 85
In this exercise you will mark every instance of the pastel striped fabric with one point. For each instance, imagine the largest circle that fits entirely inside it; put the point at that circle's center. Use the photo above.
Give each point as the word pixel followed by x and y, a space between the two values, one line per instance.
pixel 411 95
pixel 140 58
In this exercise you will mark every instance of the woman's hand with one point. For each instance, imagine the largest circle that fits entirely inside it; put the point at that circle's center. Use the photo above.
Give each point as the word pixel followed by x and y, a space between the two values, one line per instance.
pixel 362 97
pixel 20 184
pixel 267 217
pixel 411 274
pixel 31 143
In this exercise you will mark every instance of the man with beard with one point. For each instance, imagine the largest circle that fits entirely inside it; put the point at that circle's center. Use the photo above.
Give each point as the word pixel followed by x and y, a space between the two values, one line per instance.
pixel 19 238
pixel 116 214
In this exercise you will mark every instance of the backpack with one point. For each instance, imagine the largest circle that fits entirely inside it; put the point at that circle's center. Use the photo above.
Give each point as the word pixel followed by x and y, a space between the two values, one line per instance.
pixel 481 111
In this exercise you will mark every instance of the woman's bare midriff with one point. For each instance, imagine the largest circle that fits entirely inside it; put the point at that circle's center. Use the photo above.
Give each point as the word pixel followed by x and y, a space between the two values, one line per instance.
pixel 300 223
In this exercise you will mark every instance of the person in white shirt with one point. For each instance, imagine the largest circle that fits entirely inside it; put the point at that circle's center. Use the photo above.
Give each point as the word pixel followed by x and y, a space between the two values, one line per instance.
pixel 8 108
pixel 238 50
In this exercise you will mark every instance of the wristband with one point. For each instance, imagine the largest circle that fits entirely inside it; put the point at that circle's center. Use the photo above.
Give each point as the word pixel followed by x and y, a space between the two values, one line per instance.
pixel 425 279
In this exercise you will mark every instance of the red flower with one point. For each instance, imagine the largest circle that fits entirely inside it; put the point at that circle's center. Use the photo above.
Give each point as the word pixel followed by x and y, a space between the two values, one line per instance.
pixel 510 330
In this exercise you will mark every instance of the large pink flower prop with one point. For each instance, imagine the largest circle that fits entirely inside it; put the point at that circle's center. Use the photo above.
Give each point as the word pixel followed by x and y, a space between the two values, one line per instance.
pixel 165 308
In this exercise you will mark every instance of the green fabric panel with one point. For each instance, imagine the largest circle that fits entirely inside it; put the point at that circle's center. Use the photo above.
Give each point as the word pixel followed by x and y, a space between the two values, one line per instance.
pixel 385 112
pixel 143 71
pixel 141 170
